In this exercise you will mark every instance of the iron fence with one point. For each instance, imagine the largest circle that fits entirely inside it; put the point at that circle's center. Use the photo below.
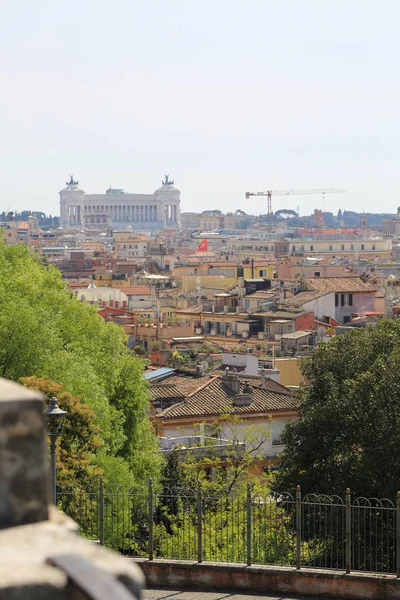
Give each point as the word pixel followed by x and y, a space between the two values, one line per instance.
pixel 316 530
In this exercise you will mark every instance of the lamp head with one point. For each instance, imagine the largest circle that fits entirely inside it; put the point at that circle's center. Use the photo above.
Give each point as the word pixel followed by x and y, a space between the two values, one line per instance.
pixel 54 416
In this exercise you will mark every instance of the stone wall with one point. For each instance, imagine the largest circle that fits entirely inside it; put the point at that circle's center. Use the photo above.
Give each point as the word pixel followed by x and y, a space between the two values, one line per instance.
pixel 277 580
pixel 23 460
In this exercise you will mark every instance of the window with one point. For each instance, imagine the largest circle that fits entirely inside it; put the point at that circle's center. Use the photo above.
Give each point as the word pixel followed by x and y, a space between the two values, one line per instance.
pixel 311 248
pixel 342 246
pixel 263 273
pixel 350 299
pixel 352 247
pixel 317 273
pixel 346 319
pixel 342 299
pixel 277 441
pixel 293 248
pixel 336 299
pixel 330 247
pixel 362 246
pixel 373 246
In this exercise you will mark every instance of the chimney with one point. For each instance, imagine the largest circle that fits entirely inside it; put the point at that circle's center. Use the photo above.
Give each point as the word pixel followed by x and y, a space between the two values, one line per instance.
pixel 263 377
pixel 117 304
pixel 111 303
pixel 231 382
pixel 245 398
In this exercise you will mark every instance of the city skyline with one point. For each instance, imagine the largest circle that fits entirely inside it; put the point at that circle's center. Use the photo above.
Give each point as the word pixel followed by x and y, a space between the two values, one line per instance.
pixel 227 97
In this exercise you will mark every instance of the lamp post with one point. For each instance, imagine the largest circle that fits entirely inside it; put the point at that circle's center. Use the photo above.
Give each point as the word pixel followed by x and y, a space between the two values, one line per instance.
pixel 54 423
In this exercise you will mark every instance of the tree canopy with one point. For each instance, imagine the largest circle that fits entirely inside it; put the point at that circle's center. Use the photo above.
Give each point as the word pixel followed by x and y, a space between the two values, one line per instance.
pixel 348 433
pixel 47 332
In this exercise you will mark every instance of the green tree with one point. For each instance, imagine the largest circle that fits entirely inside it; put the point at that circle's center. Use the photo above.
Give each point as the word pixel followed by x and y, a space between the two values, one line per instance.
pixel 80 438
pixel 348 432
pixel 46 332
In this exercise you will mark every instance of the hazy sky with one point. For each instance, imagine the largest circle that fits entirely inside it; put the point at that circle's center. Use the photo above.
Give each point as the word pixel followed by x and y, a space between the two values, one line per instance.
pixel 225 95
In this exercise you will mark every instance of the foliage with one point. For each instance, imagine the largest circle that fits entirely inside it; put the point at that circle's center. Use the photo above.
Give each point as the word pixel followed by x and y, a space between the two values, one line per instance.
pixel 176 357
pixel 46 332
pixel 348 430
pixel 172 320
pixel 243 224
pixel 229 450
pixel 223 496
pixel 206 348
pixel 155 345
pixel 236 350
pixel 80 439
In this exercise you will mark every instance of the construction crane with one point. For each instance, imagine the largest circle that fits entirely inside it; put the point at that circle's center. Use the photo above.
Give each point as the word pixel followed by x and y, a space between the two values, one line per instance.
pixel 270 193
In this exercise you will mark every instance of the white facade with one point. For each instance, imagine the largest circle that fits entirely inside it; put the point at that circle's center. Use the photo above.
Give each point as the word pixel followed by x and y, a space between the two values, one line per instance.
pixel 141 211
pixel 354 246
pixel 270 428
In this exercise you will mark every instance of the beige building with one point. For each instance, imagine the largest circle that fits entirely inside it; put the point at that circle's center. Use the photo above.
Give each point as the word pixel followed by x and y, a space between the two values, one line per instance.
pixel 361 247
pixel 295 267
pixel 211 221
pixel 129 244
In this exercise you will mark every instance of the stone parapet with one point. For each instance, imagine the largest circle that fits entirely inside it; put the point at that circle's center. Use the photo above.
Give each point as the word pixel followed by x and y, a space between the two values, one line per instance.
pixel 26 555
pixel 320 583
pixel 23 460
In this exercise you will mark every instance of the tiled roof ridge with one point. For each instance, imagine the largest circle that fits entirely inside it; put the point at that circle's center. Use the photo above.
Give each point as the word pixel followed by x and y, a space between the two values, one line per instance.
pixel 164 385
pixel 204 385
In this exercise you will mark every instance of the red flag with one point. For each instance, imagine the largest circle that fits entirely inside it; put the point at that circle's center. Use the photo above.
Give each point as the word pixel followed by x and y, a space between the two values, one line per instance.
pixel 203 246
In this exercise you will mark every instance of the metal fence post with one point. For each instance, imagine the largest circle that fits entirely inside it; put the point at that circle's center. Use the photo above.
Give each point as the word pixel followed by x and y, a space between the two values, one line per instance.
pixel 298 527
pixel 348 531
pixel 249 523
pixel 150 490
pixel 101 511
pixel 398 534
pixel 199 524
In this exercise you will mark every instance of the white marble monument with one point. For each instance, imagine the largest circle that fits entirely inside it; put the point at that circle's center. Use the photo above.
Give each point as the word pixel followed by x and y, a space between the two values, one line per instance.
pixel 141 211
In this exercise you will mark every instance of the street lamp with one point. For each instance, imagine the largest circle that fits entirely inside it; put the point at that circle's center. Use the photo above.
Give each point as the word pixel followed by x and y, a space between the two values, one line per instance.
pixel 54 423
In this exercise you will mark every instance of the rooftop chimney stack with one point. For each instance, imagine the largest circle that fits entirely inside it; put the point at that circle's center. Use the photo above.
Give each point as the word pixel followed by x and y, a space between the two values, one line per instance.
pixel 231 381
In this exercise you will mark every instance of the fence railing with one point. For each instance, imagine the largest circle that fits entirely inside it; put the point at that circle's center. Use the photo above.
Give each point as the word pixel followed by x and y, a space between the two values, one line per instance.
pixel 319 531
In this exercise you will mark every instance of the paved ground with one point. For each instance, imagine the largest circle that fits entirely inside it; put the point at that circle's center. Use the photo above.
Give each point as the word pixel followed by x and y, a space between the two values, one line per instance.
pixel 167 594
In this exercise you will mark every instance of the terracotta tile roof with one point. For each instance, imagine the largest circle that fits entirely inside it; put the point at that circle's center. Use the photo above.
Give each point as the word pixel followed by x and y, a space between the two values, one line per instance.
pixel 165 390
pixel 340 284
pixel 136 290
pixel 214 399
pixel 187 384
pixel 303 297
pixel 80 285
pixel 220 263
